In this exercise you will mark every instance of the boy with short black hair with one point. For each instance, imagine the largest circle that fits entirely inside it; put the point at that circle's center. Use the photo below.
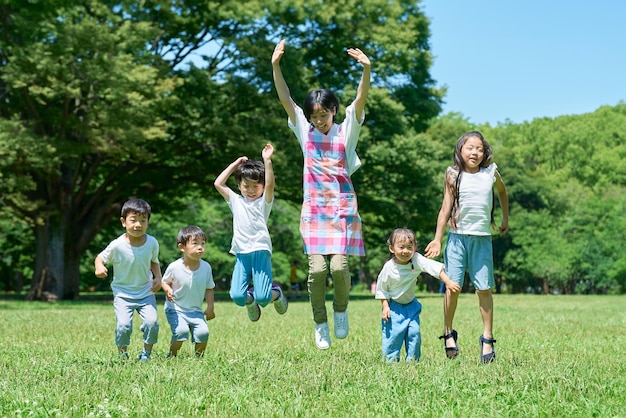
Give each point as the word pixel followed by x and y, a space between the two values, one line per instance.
pixel 187 282
pixel 251 243
pixel 136 276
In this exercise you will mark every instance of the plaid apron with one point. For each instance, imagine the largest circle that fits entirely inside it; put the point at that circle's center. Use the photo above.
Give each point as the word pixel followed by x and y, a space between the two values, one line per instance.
pixel 330 221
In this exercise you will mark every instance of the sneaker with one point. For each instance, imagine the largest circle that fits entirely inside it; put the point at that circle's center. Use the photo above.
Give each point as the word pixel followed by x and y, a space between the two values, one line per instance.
pixel 322 337
pixel 281 303
pixel 122 355
pixel 341 324
pixel 144 356
pixel 254 310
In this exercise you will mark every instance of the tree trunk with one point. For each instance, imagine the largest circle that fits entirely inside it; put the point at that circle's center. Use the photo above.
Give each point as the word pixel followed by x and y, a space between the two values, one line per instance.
pixel 57 265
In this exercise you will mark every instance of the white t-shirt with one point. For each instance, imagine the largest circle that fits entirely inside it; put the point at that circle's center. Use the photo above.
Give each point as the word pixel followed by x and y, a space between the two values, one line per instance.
pixel 475 201
pixel 397 281
pixel 132 275
pixel 189 286
pixel 250 231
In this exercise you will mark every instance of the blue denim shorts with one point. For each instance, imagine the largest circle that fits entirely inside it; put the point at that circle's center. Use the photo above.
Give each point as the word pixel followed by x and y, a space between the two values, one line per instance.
pixel 471 253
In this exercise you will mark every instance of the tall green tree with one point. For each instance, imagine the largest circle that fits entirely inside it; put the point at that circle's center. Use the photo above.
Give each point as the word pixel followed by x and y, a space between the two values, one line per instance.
pixel 100 103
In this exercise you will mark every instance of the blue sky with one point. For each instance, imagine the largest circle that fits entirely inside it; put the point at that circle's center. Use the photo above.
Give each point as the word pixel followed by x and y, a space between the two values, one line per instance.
pixel 519 60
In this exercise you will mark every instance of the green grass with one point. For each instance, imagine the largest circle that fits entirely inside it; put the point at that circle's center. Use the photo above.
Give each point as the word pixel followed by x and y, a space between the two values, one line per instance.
pixel 558 356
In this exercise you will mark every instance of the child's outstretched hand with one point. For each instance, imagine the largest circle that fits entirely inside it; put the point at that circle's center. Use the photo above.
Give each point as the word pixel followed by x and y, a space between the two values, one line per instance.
pixel 240 160
pixel 267 152
pixel 279 50
pixel 433 249
pixel 358 55
pixel 453 287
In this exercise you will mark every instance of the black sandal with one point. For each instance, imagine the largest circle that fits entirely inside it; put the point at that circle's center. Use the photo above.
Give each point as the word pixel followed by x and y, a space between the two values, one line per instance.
pixel 489 357
pixel 451 352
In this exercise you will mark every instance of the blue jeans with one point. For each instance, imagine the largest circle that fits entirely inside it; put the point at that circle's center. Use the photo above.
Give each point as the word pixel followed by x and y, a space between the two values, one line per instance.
pixel 184 323
pixel 252 267
pixel 124 310
pixel 403 327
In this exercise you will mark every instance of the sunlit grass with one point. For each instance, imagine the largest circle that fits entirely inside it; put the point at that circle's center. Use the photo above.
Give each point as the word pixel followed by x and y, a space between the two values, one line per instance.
pixel 557 356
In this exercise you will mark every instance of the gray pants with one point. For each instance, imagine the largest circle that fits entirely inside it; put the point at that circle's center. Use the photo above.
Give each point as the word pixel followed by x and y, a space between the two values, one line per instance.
pixel 318 273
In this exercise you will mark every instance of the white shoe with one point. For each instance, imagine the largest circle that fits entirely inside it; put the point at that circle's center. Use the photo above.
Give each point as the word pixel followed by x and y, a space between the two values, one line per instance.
pixel 322 337
pixel 281 303
pixel 341 324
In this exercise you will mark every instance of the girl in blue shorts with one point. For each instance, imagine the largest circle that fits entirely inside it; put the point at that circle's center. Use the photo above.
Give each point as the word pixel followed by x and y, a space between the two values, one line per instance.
pixel 468 208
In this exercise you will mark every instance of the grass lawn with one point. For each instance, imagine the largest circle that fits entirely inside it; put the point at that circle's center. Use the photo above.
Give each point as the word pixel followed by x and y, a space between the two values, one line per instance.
pixel 558 356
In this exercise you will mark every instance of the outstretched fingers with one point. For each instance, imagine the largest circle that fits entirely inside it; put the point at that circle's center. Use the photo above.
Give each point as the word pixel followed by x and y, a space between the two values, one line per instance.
pixel 359 55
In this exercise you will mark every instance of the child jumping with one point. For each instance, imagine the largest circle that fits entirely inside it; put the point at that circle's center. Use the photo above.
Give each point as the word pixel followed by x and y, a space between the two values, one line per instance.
pixel 395 288
pixel 330 224
pixel 251 243
pixel 468 208
pixel 186 282
pixel 136 276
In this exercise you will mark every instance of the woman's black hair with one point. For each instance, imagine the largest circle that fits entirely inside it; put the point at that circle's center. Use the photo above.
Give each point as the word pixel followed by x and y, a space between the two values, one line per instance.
pixel 323 97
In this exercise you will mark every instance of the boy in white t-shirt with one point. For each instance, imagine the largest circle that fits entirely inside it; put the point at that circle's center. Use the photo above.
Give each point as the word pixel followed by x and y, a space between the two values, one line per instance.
pixel 187 282
pixel 251 243
pixel 136 276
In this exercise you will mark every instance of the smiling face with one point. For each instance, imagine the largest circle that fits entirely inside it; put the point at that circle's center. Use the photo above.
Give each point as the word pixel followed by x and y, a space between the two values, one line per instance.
pixel 322 118
pixel 472 154
pixel 403 250
pixel 136 226
pixel 251 190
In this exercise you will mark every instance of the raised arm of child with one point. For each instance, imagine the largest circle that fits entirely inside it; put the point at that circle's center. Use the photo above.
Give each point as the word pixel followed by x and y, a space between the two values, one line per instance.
pixel 220 181
pixel 267 153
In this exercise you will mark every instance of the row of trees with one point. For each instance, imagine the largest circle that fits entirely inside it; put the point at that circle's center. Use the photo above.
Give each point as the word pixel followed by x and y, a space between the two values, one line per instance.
pixel 104 100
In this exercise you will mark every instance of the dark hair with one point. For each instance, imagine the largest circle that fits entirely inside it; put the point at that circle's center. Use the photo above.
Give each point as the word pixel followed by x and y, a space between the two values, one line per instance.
pixel 400 234
pixel 251 170
pixel 324 98
pixel 459 166
pixel 136 206
pixel 189 232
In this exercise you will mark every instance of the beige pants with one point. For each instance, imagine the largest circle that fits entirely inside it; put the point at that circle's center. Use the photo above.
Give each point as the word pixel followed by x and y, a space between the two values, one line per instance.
pixel 316 283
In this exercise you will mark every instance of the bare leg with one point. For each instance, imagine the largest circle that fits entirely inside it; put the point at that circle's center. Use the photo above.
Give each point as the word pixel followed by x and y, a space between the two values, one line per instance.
pixel 485 302
pixel 174 347
pixel 450 300
pixel 200 349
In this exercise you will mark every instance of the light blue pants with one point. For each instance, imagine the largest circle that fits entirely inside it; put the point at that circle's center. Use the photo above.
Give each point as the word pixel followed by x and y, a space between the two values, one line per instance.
pixel 254 267
pixel 403 327
pixel 184 323
pixel 471 253
pixel 124 310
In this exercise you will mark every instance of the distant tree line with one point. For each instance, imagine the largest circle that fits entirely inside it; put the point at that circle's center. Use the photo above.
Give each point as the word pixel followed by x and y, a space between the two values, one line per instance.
pixel 101 101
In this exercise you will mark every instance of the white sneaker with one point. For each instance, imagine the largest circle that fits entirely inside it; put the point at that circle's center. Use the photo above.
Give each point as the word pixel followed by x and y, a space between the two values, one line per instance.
pixel 341 324
pixel 322 337
pixel 281 303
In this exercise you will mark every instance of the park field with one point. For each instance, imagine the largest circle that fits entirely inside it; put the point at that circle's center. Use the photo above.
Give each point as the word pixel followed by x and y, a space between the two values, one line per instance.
pixel 557 356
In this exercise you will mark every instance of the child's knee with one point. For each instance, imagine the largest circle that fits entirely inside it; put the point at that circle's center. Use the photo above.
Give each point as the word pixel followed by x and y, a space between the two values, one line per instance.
pixel 240 299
